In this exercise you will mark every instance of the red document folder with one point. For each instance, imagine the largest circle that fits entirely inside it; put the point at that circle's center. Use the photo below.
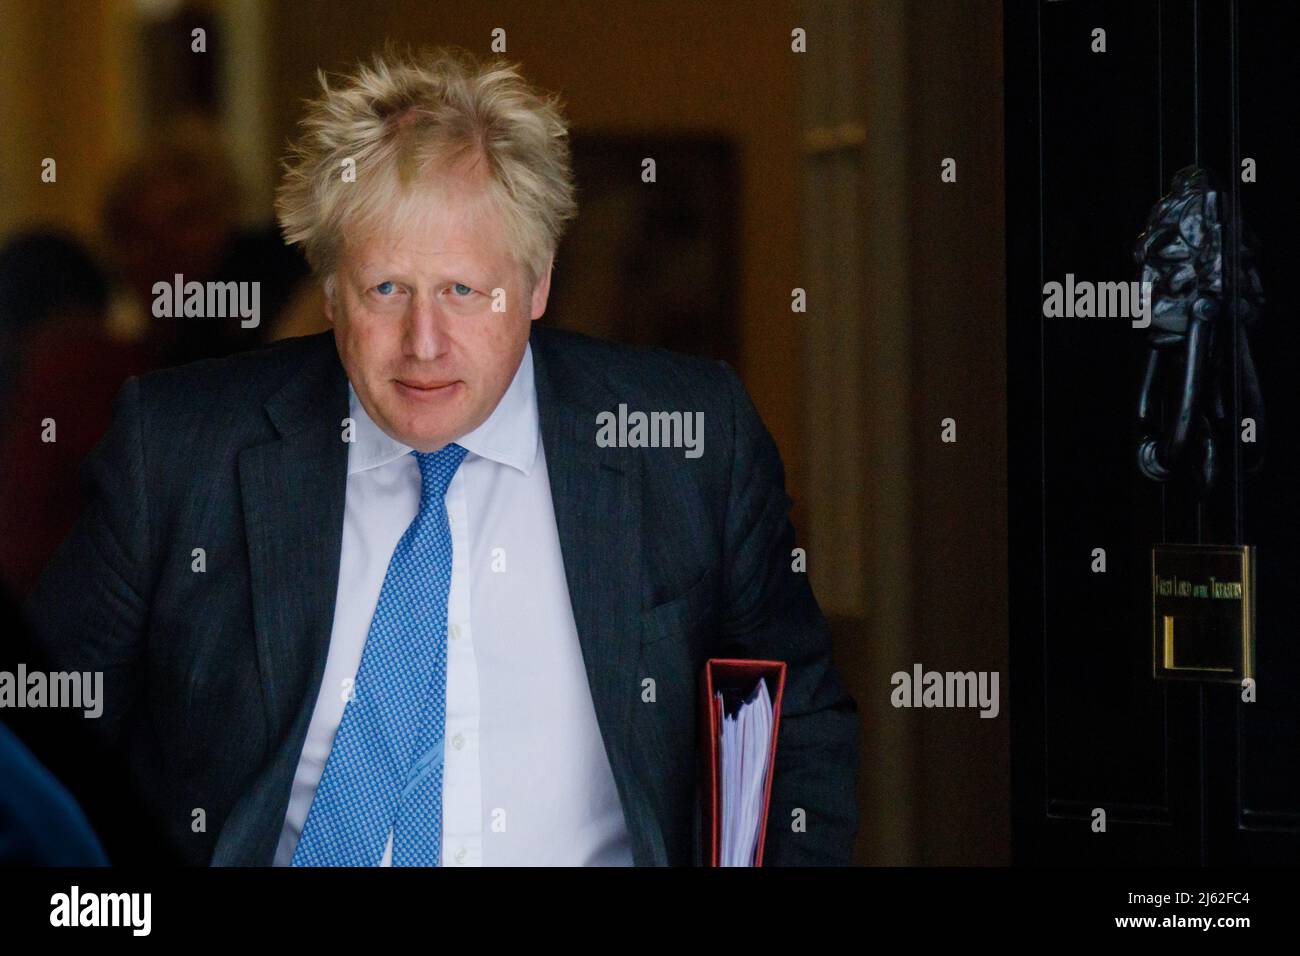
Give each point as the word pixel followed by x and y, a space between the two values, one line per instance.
pixel 744 676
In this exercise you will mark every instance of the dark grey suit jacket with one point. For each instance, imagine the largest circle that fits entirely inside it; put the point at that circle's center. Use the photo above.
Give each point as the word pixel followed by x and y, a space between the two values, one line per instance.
pixel 211 678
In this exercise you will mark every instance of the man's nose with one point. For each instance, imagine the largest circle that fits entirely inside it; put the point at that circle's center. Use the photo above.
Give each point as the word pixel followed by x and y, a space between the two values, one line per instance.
pixel 426 328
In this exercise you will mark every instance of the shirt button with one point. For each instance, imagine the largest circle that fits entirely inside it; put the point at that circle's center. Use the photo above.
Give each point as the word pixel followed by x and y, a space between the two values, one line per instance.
pixel 458 741
pixel 455 631
pixel 460 855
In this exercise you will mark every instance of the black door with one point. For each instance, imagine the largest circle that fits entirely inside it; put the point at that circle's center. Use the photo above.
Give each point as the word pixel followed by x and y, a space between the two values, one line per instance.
pixel 1098 127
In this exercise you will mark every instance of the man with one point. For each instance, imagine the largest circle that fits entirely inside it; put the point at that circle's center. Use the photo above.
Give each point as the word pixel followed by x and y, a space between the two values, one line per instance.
pixel 381 596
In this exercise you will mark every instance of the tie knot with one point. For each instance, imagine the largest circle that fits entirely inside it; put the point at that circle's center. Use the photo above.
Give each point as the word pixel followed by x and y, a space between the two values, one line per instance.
pixel 437 469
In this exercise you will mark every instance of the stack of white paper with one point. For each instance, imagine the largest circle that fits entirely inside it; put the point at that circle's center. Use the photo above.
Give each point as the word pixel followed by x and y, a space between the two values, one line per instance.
pixel 746 739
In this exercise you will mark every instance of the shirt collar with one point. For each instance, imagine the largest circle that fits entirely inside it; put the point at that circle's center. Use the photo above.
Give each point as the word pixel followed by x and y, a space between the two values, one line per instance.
pixel 509 435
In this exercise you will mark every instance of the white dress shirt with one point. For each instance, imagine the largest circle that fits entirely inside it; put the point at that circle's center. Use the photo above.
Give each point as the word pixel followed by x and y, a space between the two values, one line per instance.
pixel 526 780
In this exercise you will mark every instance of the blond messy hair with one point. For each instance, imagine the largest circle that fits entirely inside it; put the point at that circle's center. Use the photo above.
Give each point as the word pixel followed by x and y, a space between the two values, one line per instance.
pixel 408 120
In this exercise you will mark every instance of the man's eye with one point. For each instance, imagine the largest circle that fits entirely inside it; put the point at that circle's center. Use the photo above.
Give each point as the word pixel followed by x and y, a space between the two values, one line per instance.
pixel 386 288
pixel 461 288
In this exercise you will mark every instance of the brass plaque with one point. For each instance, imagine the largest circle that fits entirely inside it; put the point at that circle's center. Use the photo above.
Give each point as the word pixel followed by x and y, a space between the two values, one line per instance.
pixel 1203 612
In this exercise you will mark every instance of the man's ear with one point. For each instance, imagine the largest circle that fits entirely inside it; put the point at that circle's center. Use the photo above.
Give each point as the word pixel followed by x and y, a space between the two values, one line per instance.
pixel 542 291
pixel 328 287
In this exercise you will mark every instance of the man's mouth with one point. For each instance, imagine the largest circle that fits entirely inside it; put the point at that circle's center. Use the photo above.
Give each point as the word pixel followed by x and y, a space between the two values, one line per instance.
pixel 426 388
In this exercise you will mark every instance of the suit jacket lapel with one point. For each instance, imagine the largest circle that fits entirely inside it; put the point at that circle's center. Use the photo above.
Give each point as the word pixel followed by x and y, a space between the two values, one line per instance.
pixel 596 493
pixel 293 490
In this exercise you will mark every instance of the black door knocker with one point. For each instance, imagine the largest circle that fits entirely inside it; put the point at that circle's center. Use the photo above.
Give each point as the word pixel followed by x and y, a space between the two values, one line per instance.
pixel 1180 253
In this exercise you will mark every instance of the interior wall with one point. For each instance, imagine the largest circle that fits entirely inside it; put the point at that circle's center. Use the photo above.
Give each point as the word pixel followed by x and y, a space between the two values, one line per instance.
pixel 63 89
pixel 959 509
pixel 920 560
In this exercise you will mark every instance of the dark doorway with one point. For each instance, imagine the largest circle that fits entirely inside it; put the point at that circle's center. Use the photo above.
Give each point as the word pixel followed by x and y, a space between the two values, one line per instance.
pixel 1185 771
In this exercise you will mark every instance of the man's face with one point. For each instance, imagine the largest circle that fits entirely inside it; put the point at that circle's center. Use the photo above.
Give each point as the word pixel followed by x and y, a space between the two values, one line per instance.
pixel 412 311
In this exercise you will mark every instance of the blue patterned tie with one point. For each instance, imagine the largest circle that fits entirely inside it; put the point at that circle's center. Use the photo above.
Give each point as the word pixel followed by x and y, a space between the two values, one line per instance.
pixel 385 768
